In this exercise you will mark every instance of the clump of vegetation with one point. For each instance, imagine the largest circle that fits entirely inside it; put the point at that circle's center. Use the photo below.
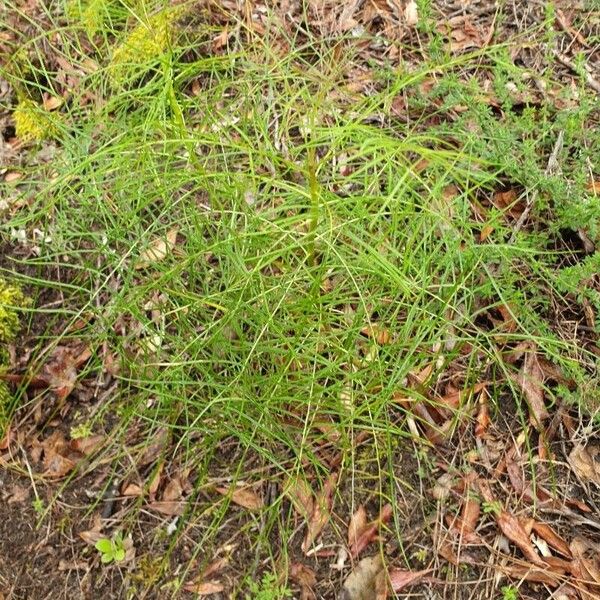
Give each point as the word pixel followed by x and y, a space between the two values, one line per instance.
pixel 11 299
pixel 32 122
pixel 268 589
pixel 146 43
pixel 90 14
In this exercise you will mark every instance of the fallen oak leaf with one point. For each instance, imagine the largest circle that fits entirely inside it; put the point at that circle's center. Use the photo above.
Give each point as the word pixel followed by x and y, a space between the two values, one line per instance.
pixel 446 551
pixel 321 512
pixel 91 536
pixel 59 374
pixel 58 458
pixel 244 497
pixel 173 490
pixel 586 560
pixel 132 489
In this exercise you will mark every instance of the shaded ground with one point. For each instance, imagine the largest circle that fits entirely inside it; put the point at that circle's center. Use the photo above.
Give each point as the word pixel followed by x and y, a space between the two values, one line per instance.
pixel 47 547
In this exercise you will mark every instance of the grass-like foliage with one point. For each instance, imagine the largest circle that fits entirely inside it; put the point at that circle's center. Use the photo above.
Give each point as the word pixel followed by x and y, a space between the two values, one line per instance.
pixel 321 250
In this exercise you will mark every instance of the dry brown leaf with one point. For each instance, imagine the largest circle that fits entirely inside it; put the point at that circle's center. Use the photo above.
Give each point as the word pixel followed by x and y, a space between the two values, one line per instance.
pixel 244 497
pixel 12 176
pixel 483 415
pixel 464 34
pixel 298 491
pixel 91 536
pixel 363 583
pixel 358 523
pixel 532 574
pixel 305 577
pixel 586 560
pixel 173 490
pixel 58 458
pixel 485 233
pixel 445 550
pixel 399 578
pixel 513 529
pixel 531 381
pixel 60 372
pixel 321 512
pixel 583 461
pixel 546 532
pixel 87 445
pixel 455 399
pixel 369 533
pixel 466 523
pixel 52 102
pixel 204 588
pixel 594 186
pixel 378 333
pixel 154 449
pixel 202 585
pixel 220 41
pixel 132 489
pixel 158 249
pixel 171 509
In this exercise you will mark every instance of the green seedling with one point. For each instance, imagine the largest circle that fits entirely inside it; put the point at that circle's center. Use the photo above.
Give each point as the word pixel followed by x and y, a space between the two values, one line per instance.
pixel 111 549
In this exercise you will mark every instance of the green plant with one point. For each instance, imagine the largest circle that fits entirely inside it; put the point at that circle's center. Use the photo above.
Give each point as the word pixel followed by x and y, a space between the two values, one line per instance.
pixel 12 301
pixel 494 507
pixel 268 588
pixel 112 549
pixel 81 431
pixel 509 592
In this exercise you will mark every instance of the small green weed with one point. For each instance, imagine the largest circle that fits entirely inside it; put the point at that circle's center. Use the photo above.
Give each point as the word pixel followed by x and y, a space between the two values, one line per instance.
pixel 268 588
pixel 492 508
pixel 509 593
pixel 112 549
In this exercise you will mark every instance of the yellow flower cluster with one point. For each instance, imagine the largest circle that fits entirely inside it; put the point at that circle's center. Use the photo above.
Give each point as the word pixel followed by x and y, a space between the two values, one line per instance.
pixel 31 124
pixel 148 41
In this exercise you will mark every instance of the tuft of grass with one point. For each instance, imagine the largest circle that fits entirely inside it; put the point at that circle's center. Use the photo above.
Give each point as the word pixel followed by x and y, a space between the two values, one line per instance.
pixel 324 252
